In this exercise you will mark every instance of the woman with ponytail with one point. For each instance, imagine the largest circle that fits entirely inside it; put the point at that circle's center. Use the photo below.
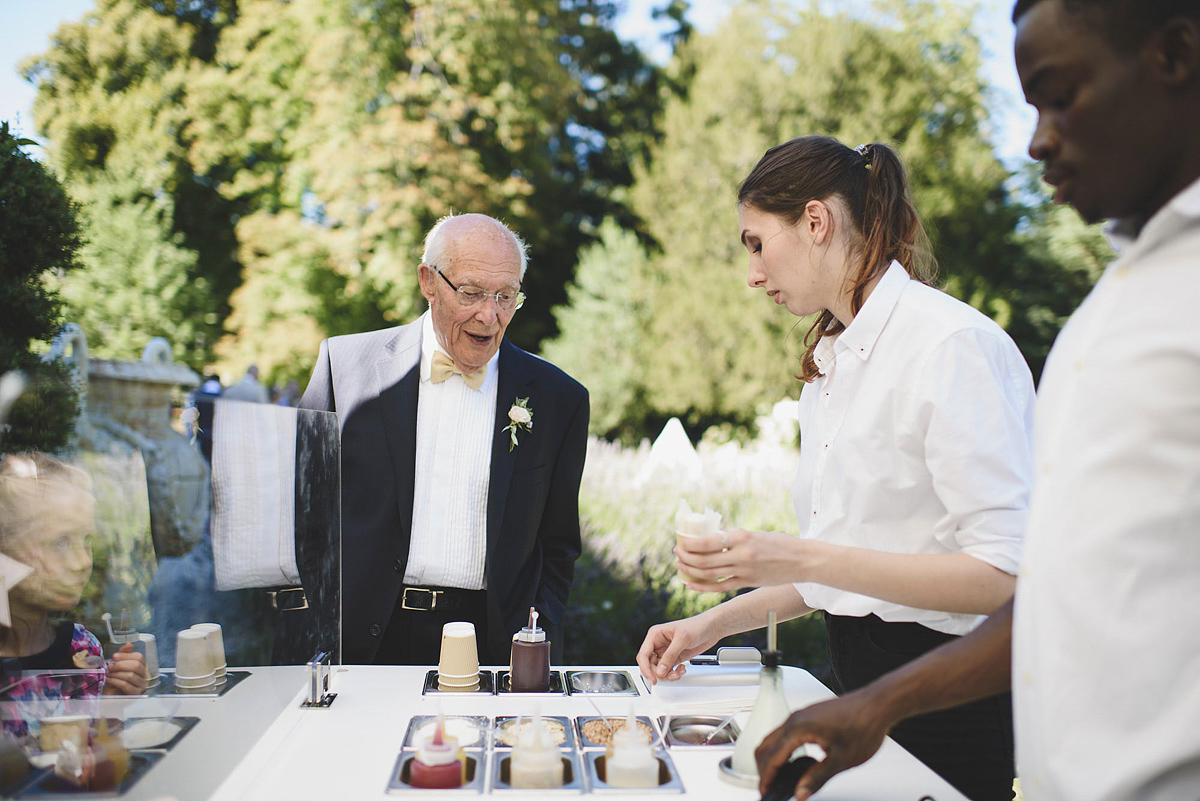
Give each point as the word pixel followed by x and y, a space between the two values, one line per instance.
pixel 915 463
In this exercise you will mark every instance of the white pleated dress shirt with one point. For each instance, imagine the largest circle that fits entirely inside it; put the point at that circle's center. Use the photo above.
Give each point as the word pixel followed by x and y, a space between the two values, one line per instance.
pixel 1106 635
pixel 455 423
pixel 915 439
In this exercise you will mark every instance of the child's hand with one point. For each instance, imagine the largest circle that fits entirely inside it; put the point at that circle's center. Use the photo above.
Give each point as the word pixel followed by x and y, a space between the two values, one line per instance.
pixel 127 672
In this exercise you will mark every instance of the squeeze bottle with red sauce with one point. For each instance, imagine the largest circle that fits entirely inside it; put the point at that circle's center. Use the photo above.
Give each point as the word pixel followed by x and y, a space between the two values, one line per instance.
pixel 436 766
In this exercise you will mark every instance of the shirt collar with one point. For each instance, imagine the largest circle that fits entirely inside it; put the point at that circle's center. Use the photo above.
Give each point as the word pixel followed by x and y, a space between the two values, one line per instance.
pixel 429 344
pixel 1125 237
pixel 864 330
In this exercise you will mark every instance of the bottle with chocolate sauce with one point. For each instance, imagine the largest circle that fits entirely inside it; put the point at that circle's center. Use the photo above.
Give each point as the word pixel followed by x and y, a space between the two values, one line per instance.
pixel 436 765
pixel 530 660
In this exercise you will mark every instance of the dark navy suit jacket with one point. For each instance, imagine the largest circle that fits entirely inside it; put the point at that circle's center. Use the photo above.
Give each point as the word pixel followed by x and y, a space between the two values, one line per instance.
pixel 371 380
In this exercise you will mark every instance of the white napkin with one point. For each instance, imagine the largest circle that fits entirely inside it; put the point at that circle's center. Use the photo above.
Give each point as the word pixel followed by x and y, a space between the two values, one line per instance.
pixel 12 573
pixel 696 524
pixel 254 496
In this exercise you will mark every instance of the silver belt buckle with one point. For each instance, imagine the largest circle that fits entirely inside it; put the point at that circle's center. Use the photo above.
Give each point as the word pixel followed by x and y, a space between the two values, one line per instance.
pixel 433 594
pixel 275 599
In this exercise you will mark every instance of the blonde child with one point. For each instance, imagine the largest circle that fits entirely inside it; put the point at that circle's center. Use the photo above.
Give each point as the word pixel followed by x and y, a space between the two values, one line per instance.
pixel 47 523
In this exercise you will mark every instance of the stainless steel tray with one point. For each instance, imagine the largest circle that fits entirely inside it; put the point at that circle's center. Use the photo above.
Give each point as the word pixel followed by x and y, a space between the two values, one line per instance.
pixel 487 684
pixel 585 742
pixel 399 782
pixel 601 682
pixel 505 721
pixel 668 776
pixel 689 731
pixel 166 685
pixel 45 784
pixel 556 684
pixel 572 776
pixel 471 730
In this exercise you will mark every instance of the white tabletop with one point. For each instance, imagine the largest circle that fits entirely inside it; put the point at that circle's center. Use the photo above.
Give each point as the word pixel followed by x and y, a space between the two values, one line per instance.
pixel 349 750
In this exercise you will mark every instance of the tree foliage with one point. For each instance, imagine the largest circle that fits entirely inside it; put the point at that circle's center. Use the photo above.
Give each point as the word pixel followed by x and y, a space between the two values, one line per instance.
pixel 112 102
pixel 259 174
pixel 711 349
pixel 305 147
pixel 39 234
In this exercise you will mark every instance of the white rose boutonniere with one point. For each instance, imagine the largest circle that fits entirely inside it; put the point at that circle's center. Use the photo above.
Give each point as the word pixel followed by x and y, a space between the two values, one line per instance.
pixel 189 416
pixel 520 417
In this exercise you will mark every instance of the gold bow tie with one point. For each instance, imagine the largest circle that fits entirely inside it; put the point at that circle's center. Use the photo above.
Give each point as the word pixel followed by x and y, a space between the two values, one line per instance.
pixel 443 367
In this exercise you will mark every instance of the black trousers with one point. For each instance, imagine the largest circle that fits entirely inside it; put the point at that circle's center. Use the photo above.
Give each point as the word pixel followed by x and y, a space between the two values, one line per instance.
pixel 414 637
pixel 970 746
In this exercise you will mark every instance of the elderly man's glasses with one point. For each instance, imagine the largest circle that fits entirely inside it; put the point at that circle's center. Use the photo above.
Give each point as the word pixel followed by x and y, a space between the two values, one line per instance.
pixel 472 295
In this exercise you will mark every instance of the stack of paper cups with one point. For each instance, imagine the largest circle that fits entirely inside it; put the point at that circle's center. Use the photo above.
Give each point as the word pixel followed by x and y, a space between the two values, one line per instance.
pixel 216 648
pixel 458 663
pixel 193 664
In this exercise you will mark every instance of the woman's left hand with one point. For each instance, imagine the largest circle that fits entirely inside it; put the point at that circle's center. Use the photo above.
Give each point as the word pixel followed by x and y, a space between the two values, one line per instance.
pixel 736 558
pixel 127 672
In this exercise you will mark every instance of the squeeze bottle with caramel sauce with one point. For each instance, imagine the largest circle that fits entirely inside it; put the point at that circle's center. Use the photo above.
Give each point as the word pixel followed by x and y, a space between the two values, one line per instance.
pixel 530 660
pixel 536 762
pixel 630 760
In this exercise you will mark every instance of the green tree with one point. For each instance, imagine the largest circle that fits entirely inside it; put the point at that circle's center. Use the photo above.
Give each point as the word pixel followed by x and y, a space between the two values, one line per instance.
pixel 607 301
pixel 354 125
pixel 713 350
pixel 1057 259
pixel 139 282
pixel 39 234
pixel 111 103
pixel 368 122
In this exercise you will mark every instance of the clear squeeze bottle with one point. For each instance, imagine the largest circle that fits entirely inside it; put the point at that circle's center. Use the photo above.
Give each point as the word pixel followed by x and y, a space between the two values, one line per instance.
pixel 770 710
pixel 630 761
pixel 530 659
pixel 536 762
pixel 437 764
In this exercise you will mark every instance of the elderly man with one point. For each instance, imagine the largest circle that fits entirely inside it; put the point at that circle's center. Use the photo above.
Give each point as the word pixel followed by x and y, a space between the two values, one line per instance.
pixel 461 461
pixel 1101 646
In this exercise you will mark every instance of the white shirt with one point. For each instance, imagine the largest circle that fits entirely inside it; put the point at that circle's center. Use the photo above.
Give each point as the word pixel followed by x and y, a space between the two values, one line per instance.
pixel 248 389
pixel 915 439
pixel 1106 637
pixel 455 424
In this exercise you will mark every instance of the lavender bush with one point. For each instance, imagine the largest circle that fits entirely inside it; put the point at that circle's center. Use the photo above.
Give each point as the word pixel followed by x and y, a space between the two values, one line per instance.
pixel 625 580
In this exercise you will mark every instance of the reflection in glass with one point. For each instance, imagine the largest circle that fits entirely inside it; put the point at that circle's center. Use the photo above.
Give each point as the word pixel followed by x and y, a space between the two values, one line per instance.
pixel 47 523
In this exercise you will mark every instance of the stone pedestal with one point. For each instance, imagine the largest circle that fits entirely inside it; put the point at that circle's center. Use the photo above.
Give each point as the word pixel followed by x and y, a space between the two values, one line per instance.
pixel 131 402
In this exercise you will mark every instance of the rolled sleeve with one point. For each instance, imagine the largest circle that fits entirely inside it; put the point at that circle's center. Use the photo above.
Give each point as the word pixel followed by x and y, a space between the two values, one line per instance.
pixel 979 412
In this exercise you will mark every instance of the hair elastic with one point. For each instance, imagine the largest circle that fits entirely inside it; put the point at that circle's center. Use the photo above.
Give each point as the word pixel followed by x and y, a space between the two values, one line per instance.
pixel 865 152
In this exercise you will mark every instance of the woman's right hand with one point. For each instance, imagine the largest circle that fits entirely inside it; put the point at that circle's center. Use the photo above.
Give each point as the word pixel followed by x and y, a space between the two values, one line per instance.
pixel 668 647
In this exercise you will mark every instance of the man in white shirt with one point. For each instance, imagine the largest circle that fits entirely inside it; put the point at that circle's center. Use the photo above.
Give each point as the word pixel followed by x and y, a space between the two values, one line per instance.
pixel 461 461
pixel 1102 647
pixel 248 389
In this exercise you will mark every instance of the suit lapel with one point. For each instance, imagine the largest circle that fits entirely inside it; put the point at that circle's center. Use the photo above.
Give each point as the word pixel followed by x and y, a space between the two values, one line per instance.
pixel 514 383
pixel 399 377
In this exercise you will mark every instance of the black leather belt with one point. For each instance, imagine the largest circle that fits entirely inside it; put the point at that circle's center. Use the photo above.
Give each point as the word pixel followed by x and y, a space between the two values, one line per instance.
pixel 442 599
